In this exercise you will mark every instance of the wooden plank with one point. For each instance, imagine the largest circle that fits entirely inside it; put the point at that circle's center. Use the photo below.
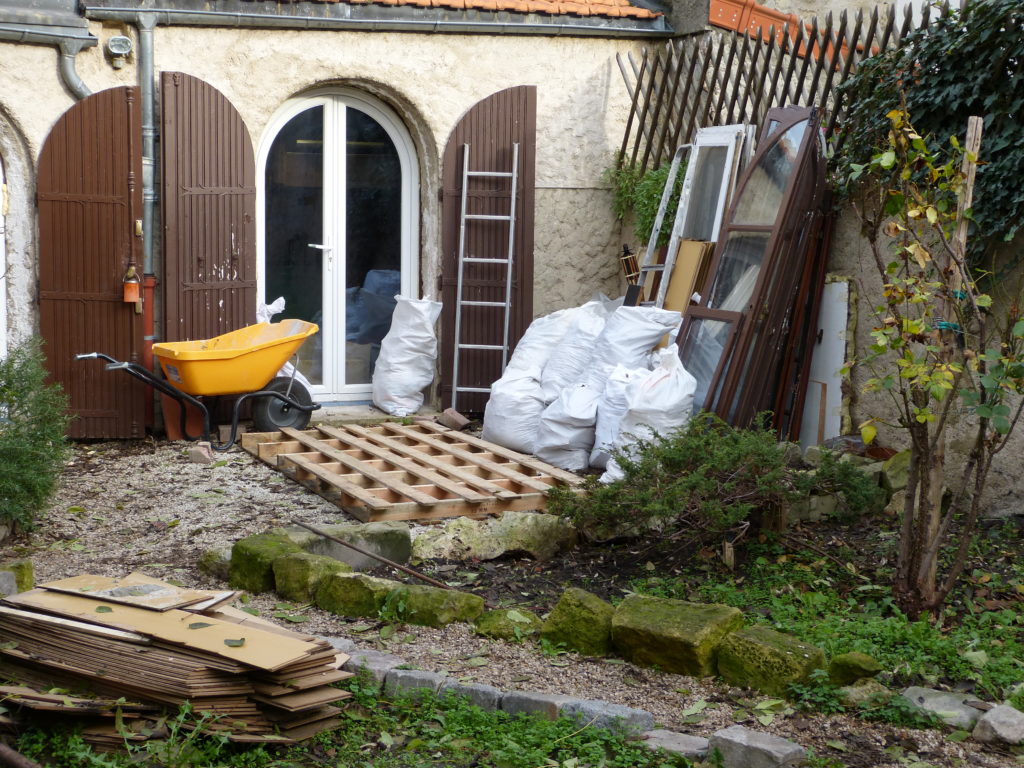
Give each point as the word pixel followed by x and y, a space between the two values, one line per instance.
pixel 344 486
pixel 77 626
pixel 136 589
pixel 303 700
pixel 360 466
pixel 261 649
pixel 502 470
pixel 519 458
pixel 430 461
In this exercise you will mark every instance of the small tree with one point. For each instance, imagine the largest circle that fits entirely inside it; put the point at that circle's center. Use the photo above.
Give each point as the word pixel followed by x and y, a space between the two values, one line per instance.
pixel 33 420
pixel 939 350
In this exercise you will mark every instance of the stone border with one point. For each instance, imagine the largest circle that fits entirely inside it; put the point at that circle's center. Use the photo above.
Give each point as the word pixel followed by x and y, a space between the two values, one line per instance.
pixel 738 744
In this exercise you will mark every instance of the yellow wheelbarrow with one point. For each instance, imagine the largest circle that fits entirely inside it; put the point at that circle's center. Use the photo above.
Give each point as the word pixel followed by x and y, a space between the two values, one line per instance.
pixel 242 363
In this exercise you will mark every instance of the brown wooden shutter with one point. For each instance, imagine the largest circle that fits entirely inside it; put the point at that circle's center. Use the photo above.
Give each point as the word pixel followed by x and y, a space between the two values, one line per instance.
pixel 209 212
pixel 89 194
pixel 490 127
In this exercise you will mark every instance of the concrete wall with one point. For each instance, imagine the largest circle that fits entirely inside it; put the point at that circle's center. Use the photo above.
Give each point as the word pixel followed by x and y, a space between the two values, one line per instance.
pixel 430 80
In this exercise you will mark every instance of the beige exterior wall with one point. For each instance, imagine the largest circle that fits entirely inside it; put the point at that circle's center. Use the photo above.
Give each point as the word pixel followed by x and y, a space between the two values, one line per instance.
pixel 429 80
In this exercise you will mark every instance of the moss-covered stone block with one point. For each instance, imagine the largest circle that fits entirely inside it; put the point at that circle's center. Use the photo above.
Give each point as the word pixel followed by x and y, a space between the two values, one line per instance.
pixel 23 572
pixel 895 472
pixel 252 561
pixel 766 660
pixel 216 563
pixel 582 621
pixel 865 691
pixel 508 624
pixel 296 576
pixel 673 635
pixel 353 594
pixel 539 535
pixel 847 668
pixel 434 607
pixel 390 539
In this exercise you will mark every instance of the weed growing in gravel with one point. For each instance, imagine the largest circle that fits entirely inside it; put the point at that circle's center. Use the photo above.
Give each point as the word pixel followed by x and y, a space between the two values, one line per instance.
pixel 427 733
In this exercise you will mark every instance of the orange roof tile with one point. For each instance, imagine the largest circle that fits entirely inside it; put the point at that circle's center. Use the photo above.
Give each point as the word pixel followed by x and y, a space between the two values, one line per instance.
pixel 599 8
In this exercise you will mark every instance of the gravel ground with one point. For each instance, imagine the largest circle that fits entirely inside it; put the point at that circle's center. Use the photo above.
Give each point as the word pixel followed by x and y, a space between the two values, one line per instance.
pixel 144 506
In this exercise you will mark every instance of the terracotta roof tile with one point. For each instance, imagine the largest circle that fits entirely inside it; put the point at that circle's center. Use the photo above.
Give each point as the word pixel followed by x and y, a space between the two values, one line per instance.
pixel 605 8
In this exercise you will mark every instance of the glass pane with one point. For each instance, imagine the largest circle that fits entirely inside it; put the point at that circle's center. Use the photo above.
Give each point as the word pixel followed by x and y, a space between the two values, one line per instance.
pixel 373 244
pixel 761 198
pixel 701 353
pixel 738 270
pixel 294 219
pixel 702 205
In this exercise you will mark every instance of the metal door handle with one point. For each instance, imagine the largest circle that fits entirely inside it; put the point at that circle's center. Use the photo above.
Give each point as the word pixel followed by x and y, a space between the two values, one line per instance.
pixel 325 248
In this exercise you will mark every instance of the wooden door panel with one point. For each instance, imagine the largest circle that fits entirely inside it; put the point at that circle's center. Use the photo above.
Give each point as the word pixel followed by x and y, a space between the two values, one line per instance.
pixel 89 196
pixel 209 212
pixel 490 128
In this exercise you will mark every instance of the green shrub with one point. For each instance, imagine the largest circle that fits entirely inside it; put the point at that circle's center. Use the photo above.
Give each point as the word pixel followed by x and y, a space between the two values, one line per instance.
pixel 33 448
pixel 641 196
pixel 707 477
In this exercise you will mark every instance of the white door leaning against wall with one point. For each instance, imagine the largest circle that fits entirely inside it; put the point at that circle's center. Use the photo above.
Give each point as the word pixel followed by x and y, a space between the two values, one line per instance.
pixel 337 230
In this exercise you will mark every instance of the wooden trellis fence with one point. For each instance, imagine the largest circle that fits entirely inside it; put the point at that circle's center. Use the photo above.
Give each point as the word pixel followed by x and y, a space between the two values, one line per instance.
pixel 720 77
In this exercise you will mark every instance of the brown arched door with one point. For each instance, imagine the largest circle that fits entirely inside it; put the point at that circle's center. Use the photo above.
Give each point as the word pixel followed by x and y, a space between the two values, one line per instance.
pixel 89 195
pixel 490 128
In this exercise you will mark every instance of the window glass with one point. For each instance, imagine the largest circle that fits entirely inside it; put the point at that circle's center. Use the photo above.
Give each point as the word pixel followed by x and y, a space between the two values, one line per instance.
pixel 701 353
pixel 737 271
pixel 762 194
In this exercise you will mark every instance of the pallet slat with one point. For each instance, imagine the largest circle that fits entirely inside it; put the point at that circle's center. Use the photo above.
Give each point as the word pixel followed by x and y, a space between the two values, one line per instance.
pixel 421 472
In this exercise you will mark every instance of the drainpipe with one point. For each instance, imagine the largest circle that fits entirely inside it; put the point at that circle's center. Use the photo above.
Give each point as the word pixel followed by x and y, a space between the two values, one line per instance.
pixel 146 22
pixel 69 49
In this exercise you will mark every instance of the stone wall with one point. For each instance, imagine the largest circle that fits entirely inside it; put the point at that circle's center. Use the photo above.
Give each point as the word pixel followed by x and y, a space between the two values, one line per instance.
pixel 429 80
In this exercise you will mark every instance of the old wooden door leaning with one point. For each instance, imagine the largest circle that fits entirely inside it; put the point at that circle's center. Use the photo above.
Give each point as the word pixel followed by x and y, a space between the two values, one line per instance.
pixel 90 208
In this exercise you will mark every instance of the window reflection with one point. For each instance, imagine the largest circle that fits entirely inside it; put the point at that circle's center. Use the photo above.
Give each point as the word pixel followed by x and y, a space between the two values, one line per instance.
pixel 762 195
pixel 737 271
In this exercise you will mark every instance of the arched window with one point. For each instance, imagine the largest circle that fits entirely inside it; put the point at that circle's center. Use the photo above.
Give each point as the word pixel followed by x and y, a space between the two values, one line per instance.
pixel 338 230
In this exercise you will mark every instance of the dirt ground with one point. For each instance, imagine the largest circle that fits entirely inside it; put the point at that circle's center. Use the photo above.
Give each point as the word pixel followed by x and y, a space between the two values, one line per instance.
pixel 142 505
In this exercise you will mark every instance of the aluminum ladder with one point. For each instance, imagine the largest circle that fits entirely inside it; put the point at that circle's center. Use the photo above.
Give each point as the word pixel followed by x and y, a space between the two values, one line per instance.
pixel 649 265
pixel 460 302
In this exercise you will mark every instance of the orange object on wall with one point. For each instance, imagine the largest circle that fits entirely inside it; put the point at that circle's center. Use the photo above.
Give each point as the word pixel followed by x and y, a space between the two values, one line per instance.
pixel 758 20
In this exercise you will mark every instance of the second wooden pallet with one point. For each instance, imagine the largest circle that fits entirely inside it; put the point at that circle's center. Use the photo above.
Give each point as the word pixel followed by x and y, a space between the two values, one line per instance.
pixel 421 471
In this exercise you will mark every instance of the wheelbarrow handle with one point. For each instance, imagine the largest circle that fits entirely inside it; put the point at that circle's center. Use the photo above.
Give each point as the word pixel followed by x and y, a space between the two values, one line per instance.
pixel 96 355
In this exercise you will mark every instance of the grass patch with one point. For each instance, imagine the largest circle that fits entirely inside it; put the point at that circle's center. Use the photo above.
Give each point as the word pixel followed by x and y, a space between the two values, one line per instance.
pixel 375 733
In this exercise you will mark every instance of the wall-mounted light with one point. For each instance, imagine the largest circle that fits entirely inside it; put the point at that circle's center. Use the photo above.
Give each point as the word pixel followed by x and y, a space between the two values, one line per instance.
pixel 118 48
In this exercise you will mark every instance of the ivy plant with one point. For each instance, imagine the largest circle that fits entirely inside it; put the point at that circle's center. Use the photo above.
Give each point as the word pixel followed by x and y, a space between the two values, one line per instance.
pixel 970 62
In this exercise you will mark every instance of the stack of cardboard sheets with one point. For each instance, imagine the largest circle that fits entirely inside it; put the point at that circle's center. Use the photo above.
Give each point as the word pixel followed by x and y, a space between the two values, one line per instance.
pixel 147 640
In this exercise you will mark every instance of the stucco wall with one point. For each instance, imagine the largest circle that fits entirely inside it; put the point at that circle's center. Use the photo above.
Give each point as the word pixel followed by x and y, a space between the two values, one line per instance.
pixel 851 256
pixel 430 80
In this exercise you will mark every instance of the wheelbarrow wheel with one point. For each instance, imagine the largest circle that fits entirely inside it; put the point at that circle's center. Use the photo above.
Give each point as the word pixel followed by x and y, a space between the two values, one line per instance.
pixel 270 414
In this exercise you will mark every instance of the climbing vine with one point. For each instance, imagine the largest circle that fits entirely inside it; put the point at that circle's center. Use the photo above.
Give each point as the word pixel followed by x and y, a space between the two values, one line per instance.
pixel 969 63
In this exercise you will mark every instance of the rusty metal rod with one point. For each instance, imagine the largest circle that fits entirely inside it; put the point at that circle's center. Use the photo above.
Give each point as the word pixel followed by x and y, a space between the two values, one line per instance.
pixel 13 759
pixel 360 550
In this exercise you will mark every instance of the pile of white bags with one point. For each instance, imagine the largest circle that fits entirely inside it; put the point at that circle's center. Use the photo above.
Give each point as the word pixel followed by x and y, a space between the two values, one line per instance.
pixel 513 410
pixel 407 354
pixel 566 388
pixel 657 403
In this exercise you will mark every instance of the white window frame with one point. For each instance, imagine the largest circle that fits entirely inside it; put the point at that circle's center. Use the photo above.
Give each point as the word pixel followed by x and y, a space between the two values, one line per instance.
pixel 335 100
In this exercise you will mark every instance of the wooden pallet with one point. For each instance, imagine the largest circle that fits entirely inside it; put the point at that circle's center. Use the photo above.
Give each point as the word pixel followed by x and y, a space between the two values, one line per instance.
pixel 422 471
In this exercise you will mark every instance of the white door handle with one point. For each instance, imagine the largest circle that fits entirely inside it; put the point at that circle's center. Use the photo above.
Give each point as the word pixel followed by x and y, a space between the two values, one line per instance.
pixel 326 249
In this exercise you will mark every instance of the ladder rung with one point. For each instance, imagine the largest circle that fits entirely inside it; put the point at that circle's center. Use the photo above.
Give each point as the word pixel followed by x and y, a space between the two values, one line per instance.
pixel 472 389
pixel 481 346
pixel 483 304
pixel 475 260
pixel 491 174
pixel 653 268
pixel 487 217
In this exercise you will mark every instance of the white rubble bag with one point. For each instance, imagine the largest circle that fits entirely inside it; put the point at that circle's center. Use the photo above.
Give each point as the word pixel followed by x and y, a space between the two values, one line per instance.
pixel 512 413
pixel 405 365
pixel 535 347
pixel 566 432
pixel 610 410
pixel 627 340
pixel 660 402
pixel 264 313
pixel 569 359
